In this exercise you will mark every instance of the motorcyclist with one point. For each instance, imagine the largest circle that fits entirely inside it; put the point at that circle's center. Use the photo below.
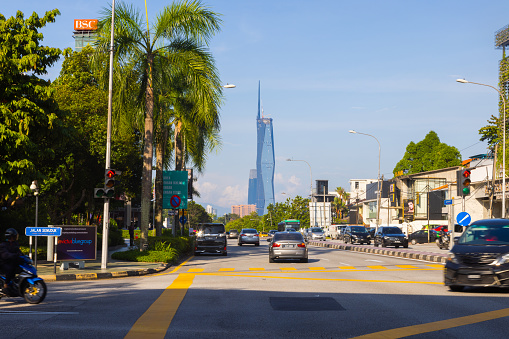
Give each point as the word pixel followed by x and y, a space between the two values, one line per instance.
pixel 9 256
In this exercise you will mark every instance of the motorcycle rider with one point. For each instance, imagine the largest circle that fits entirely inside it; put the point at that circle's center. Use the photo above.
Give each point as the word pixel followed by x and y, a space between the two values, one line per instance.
pixel 9 256
pixel 444 237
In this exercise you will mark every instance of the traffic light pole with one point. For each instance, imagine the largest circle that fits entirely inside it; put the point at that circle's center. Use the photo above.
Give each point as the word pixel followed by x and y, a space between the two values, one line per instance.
pixel 106 212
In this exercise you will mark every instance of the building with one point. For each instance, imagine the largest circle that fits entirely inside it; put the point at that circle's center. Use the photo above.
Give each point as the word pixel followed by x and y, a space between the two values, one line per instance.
pixel 320 213
pixel 210 210
pixel 265 161
pixel 84 33
pixel 251 192
pixel 243 210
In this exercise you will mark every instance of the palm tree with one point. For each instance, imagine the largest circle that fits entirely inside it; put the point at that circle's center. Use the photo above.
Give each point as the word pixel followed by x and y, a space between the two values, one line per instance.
pixel 170 47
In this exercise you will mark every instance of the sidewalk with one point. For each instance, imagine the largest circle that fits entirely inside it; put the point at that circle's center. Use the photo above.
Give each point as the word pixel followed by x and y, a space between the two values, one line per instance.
pixel 92 269
pixel 427 252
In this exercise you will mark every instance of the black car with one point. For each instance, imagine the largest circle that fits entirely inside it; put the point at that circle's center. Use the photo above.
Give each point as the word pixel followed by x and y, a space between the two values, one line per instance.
pixel 390 236
pixel 356 234
pixel 210 238
pixel 421 237
pixel 480 257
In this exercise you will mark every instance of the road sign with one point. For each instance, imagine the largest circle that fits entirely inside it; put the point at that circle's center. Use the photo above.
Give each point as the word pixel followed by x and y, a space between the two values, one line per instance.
pixel 183 220
pixel 43 231
pixel 448 202
pixel 175 183
pixel 175 201
pixel 463 218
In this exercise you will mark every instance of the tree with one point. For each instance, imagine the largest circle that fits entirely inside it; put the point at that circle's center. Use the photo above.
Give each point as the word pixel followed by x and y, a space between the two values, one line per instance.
pixel 197 214
pixel 427 155
pixel 31 127
pixel 140 54
pixel 297 208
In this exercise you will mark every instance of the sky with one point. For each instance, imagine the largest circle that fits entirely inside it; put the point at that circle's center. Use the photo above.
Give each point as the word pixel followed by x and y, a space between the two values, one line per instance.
pixel 385 68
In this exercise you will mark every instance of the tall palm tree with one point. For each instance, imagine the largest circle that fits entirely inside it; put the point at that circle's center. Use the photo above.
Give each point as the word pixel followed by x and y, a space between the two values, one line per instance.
pixel 179 33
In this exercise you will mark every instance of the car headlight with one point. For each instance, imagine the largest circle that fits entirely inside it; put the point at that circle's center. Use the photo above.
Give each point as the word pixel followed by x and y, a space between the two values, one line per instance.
pixel 452 258
pixel 503 259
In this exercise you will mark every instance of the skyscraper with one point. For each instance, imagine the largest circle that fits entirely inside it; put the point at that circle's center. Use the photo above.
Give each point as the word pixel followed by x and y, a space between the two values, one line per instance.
pixel 251 192
pixel 265 161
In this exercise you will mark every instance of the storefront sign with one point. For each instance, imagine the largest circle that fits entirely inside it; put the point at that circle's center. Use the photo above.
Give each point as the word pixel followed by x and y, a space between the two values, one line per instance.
pixel 85 24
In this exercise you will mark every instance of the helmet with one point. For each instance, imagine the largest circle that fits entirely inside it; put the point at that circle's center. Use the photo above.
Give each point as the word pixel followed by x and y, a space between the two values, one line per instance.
pixel 11 233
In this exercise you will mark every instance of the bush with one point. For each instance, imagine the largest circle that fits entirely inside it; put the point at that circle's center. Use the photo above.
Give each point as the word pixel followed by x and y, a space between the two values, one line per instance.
pixel 147 256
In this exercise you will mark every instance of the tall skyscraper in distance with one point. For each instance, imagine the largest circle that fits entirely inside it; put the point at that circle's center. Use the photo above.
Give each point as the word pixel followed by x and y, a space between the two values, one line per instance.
pixel 265 161
pixel 251 192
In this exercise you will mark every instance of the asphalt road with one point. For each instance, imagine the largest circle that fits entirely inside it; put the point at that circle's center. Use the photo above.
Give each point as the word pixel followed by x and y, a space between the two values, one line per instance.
pixel 338 294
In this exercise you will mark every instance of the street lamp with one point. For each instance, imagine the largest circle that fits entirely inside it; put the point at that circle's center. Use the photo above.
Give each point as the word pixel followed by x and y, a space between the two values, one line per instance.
pixel 35 188
pixel 463 81
pixel 310 183
pixel 378 194
pixel 229 86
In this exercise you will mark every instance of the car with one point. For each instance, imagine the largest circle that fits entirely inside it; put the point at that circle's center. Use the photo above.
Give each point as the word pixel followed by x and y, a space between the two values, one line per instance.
pixel 263 234
pixel 270 235
pixel 249 236
pixel 390 236
pixel 356 234
pixel 421 237
pixel 315 233
pixel 480 257
pixel 210 238
pixel 288 245
pixel 441 228
pixel 336 231
pixel 234 234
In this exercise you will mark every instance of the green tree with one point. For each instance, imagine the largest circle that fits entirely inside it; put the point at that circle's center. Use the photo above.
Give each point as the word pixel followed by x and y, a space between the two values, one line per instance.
pixel 427 155
pixel 30 123
pixel 144 54
pixel 297 208
pixel 197 214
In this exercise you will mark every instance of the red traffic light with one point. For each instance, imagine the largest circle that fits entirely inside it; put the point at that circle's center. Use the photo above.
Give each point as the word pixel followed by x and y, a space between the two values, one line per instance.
pixel 466 173
pixel 110 173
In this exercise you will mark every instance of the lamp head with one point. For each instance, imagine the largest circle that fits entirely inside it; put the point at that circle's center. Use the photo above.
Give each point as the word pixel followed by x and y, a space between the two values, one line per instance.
pixel 463 81
pixel 229 86
pixel 352 131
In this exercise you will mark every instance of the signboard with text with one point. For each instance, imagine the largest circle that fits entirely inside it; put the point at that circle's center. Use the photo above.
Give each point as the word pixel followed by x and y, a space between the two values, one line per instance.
pixel 175 189
pixel 77 242
pixel 85 24
pixel 43 231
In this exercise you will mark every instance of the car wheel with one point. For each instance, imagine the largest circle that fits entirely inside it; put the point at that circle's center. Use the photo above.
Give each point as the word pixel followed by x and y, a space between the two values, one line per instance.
pixel 456 288
pixel 304 260
pixel 397 246
pixel 405 246
pixel 271 260
pixel 414 242
pixel 368 243
pixel 240 244
pixel 196 253
pixel 375 243
pixel 257 244
pixel 225 254
pixel 384 244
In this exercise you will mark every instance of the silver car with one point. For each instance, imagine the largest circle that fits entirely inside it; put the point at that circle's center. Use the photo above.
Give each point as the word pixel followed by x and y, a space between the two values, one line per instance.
pixel 249 236
pixel 315 233
pixel 288 245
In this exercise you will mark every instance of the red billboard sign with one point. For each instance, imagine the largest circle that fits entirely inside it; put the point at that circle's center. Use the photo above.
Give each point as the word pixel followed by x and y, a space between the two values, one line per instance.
pixel 85 24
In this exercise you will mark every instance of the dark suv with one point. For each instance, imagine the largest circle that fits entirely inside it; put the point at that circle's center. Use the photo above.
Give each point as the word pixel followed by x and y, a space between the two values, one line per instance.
pixel 390 236
pixel 356 234
pixel 210 238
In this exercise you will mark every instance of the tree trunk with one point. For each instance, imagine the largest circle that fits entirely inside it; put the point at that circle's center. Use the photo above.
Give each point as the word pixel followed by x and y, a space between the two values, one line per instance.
pixel 160 150
pixel 148 149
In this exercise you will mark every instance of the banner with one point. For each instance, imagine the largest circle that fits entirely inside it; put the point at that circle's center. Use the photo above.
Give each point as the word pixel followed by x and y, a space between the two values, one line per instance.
pixel 77 243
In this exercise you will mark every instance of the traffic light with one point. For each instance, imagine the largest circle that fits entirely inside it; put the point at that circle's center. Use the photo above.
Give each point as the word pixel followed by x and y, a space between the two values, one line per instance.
pixel 463 182
pixel 99 192
pixel 109 183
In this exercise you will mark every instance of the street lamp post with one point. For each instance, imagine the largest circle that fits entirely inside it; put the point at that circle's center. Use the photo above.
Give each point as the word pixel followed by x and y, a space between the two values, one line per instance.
pixel 463 81
pixel 35 188
pixel 310 183
pixel 378 193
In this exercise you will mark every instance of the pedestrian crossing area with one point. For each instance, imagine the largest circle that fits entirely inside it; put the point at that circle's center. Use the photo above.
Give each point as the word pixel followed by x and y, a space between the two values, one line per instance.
pixel 319 268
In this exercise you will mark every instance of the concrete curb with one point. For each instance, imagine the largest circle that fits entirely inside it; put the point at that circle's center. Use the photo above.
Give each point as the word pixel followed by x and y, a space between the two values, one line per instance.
pixel 104 275
pixel 402 253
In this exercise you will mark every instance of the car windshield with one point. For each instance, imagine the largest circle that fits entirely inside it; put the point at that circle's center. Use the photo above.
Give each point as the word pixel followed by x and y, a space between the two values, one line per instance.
pixel 359 229
pixel 211 229
pixel 392 230
pixel 485 235
pixel 316 229
pixel 249 230
pixel 288 236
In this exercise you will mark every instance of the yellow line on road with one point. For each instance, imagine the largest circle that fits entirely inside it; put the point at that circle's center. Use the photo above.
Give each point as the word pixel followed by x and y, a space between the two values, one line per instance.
pixel 226 269
pixel 316 268
pixel 288 268
pixel 377 267
pixel 195 270
pixel 406 266
pixel 155 321
pixel 437 325
pixel 257 269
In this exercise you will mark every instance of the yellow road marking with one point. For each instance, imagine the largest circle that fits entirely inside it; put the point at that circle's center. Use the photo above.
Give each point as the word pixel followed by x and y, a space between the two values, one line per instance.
pixel 377 267
pixel 226 269
pixel 316 268
pixel 175 269
pixel 406 266
pixel 437 325
pixel 288 268
pixel 435 265
pixel 257 269
pixel 346 267
pixel 155 321
pixel 195 270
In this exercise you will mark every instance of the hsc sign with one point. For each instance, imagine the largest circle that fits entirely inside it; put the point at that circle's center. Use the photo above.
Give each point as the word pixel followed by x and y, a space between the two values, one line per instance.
pixel 85 24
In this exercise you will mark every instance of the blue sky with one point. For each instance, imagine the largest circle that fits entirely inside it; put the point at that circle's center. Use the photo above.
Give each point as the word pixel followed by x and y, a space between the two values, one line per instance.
pixel 386 68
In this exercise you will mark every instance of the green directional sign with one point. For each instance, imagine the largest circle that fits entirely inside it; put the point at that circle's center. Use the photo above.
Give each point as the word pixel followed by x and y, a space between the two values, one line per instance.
pixel 174 183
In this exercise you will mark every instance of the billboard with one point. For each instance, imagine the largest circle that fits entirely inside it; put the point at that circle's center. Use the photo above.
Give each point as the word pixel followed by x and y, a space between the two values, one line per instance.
pixel 85 24
pixel 408 209
pixel 77 242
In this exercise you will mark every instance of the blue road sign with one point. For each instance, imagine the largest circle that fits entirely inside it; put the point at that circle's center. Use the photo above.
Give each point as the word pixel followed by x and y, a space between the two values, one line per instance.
pixel 463 218
pixel 43 231
pixel 448 202
pixel 183 219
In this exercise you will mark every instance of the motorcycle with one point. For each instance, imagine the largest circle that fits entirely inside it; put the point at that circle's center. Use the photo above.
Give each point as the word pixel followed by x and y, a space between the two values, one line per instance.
pixel 26 283
pixel 443 241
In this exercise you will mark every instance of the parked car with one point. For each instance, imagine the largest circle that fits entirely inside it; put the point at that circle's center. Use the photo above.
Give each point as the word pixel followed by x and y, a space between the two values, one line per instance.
pixel 288 245
pixel 441 228
pixel 249 236
pixel 270 235
pixel 356 234
pixel 341 232
pixel 210 238
pixel 390 236
pixel 336 231
pixel 234 234
pixel 421 237
pixel 480 257
pixel 315 233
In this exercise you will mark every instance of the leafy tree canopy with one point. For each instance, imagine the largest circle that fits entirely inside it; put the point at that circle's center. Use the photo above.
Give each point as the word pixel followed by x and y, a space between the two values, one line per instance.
pixel 197 214
pixel 427 155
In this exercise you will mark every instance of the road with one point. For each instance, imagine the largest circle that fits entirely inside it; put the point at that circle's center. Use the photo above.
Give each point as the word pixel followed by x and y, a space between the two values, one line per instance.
pixel 338 294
